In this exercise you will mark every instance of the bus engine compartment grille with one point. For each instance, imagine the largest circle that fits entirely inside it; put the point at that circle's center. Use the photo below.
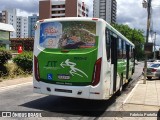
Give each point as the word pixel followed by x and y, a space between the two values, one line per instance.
pixel 63 90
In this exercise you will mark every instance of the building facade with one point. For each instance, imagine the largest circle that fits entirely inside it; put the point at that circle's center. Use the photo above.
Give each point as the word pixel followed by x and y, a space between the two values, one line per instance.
pixel 0 17
pixel 105 9
pixel 62 8
pixel 9 17
pixel 31 23
pixel 22 27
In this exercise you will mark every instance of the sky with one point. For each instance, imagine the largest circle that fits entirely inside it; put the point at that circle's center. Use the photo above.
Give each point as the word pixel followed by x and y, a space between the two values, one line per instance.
pixel 130 12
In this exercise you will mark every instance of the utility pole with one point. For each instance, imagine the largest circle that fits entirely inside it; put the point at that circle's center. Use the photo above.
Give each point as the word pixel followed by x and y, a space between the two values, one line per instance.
pixel 155 46
pixel 148 6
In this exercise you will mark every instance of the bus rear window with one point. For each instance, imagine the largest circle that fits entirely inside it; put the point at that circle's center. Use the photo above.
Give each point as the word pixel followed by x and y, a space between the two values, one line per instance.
pixel 68 35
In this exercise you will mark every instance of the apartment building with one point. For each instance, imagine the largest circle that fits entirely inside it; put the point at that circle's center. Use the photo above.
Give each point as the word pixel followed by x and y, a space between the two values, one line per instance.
pixel 62 8
pixel 0 17
pixel 9 17
pixel 105 9
pixel 22 27
pixel 31 23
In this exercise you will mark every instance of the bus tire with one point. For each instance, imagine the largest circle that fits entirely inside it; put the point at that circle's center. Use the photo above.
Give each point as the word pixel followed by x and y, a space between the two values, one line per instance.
pixel 132 71
pixel 119 92
pixel 149 78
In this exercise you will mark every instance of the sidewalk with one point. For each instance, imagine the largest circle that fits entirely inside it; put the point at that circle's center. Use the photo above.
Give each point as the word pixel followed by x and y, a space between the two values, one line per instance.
pixel 145 94
pixel 143 98
pixel 16 81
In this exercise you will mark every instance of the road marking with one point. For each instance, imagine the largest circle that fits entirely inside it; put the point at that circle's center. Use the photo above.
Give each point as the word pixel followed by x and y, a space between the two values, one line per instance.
pixel 131 93
pixel 14 86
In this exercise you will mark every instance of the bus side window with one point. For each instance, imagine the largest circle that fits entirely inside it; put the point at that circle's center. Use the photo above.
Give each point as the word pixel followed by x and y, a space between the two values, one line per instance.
pixel 124 50
pixel 119 48
pixel 108 46
pixel 132 58
pixel 130 52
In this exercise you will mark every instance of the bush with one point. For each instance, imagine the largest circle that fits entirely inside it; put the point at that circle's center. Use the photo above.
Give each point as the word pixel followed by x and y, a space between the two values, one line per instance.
pixel 24 61
pixel 12 71
pixel 5 55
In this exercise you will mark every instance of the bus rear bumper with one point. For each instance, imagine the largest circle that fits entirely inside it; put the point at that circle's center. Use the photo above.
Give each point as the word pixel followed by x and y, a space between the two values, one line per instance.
pixel 68 91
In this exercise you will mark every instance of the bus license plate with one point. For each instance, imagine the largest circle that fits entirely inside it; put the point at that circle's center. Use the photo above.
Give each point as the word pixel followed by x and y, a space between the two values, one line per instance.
pixel 63 77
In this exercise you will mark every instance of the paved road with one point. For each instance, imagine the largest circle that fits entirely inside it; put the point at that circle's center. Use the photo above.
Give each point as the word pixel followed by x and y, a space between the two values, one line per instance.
pixel 22 98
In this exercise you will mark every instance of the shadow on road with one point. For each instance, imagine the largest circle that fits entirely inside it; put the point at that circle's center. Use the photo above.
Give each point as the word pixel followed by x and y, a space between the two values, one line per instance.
pixel 62 106
pixel 54 106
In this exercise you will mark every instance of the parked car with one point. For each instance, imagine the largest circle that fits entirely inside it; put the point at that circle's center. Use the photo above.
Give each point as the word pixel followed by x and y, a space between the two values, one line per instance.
pixel 150 62
pixel 157 61
pixel 153 70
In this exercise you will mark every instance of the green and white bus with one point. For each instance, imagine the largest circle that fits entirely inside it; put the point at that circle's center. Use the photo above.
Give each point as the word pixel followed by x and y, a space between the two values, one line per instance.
pixel 80 57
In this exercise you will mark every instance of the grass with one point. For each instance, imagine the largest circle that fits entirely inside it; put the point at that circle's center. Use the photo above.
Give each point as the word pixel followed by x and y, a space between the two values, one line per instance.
pixel 12 72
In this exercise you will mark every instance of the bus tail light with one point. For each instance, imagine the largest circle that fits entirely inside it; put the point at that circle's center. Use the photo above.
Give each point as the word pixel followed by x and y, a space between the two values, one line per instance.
pixel 36 69
pixel 96 72
pixel 154 70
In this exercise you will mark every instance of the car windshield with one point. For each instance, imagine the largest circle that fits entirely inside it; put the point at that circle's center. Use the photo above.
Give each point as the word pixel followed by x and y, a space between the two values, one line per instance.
pixel 155 65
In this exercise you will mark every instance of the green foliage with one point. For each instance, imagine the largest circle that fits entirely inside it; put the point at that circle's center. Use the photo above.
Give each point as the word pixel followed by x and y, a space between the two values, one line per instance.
pixel 5 55
pixel 3 70
pixel 135 36
pixel 24 61
pixel 11 70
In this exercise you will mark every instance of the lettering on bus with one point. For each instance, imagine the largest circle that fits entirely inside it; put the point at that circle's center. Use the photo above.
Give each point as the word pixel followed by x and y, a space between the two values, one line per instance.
pixel 51 30
pixel 51 64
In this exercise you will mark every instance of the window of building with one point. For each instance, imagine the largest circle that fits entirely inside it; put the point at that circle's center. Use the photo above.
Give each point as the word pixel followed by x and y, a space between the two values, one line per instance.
pixel 87 10
pixel 83 8
pixel 79 4
pixel 83 14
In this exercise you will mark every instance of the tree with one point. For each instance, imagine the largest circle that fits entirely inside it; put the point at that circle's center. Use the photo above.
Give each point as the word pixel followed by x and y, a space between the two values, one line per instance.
pixel 135 36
